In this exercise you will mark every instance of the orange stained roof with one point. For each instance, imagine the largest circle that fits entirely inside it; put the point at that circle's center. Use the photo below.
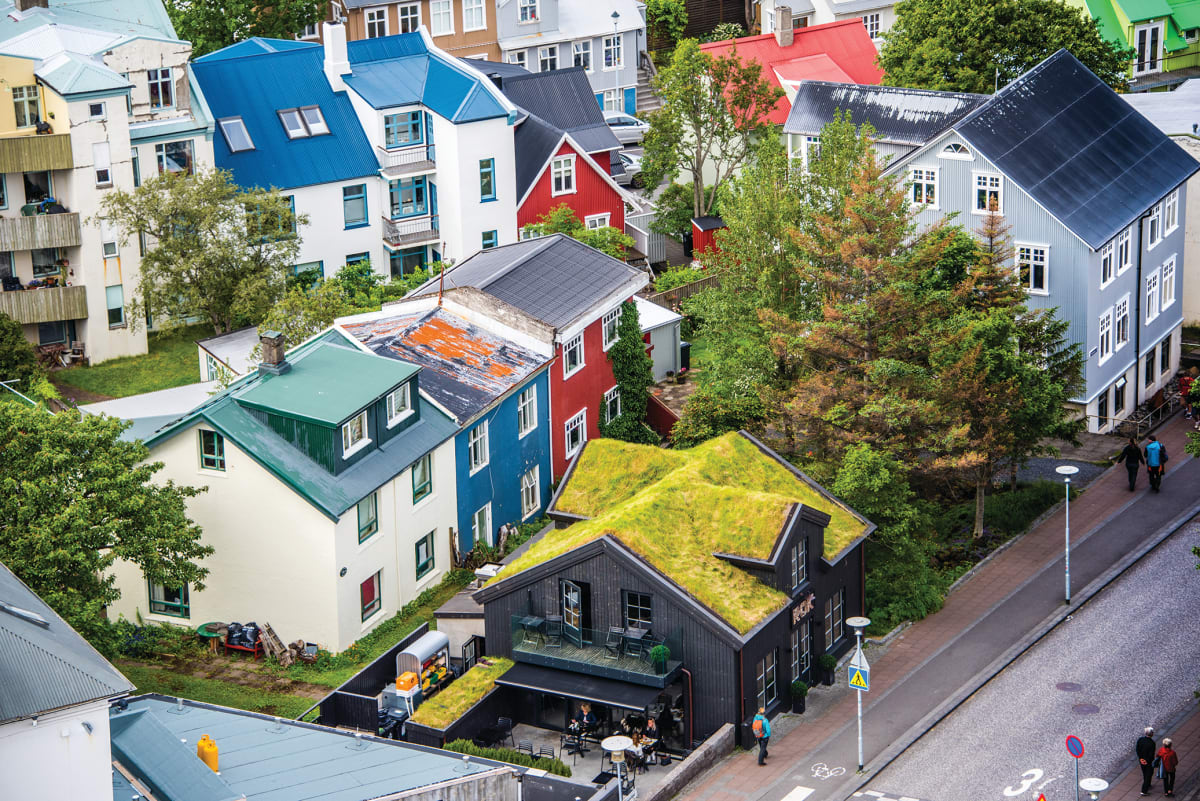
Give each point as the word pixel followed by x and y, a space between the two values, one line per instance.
pixel 836 51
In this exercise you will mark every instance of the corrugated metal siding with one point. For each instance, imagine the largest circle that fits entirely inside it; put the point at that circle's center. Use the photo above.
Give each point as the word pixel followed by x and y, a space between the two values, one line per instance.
pixel 593 195
pixel 583 390
pixel 317 442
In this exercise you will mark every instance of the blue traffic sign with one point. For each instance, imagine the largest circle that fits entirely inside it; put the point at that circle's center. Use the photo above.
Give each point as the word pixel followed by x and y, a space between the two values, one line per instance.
pixel 860 678
pixel 1074 746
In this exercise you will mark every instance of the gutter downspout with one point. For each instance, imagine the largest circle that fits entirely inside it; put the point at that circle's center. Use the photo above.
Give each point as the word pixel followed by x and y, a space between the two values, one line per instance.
pixel 1137 305
pixel 741 686
pixel 691 705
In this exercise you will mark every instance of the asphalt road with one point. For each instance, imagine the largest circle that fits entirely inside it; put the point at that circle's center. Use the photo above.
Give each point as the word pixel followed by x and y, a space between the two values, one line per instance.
pixel 1126 659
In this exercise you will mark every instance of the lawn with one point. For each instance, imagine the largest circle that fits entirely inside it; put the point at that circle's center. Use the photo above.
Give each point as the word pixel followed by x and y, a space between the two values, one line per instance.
pixel 451 703
pixel 213 691
pixel 171 362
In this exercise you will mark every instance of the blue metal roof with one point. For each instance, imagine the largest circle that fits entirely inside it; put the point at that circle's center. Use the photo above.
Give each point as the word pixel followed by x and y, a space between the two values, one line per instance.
pixel 1077 148
pixel 256 78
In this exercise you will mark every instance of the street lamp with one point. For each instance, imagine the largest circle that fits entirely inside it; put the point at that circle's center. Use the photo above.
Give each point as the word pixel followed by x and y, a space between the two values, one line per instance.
pixel 859 661
pixel 616 18
pixel 1093 787
pixel 1066 471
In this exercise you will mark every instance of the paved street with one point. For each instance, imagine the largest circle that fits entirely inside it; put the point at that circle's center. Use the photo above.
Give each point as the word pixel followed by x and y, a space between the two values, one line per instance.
pixel 1007 741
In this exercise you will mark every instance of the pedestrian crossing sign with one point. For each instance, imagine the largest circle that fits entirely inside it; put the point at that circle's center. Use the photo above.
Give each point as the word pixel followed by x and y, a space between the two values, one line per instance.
pixel 860 678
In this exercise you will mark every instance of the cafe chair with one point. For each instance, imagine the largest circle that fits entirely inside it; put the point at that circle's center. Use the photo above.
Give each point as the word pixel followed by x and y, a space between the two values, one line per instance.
pixel 554 630
pixel 505 727
pixel 526 747
pixel 546 751
pixel 612 645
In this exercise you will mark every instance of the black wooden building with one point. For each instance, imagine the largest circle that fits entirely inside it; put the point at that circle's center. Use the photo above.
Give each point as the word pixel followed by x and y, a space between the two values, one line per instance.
pixel 672 559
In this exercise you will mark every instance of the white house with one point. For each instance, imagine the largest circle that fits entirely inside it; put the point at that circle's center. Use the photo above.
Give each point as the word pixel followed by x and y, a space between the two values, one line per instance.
pixel 878 16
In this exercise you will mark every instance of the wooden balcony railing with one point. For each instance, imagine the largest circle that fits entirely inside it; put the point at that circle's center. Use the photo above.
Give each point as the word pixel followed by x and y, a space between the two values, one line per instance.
pixel 39 231
pixel 47 305
pixel 32 153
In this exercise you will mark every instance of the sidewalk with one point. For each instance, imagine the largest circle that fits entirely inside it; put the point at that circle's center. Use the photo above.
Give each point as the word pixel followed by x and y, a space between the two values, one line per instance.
pixel 983 618
pixel 1185 739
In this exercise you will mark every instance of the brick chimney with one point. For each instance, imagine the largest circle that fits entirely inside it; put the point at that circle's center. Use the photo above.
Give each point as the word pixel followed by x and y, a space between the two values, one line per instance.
pixel 784 34
pixel 25 5
pixel 337 59
pixel 273 359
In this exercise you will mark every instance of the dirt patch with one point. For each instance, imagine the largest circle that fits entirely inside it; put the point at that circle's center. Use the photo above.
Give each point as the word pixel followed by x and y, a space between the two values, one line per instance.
pixel 245 674
pixel 77 396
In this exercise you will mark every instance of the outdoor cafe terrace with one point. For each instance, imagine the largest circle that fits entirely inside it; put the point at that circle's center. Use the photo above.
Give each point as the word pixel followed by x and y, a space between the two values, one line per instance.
pixel 624 654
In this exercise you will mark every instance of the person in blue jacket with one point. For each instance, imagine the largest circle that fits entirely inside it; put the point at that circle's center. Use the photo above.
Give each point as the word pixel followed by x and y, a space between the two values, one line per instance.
pixel 762 733
pixel 1156 461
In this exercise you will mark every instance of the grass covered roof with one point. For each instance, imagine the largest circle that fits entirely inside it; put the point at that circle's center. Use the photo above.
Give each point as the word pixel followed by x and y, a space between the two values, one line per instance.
pixel 676 508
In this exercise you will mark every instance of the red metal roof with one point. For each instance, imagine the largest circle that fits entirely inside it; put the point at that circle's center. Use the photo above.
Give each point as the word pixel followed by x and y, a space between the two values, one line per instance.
pixel 836 51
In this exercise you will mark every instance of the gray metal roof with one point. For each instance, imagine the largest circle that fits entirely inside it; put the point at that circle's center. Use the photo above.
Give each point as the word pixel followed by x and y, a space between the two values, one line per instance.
pixel 564 98
pixel 492 69
pixel 1077 148
pixel 898 115
pixel 44 664
pixel 534 141
pixel 1174 112
pixel 554 279
pixel 285 761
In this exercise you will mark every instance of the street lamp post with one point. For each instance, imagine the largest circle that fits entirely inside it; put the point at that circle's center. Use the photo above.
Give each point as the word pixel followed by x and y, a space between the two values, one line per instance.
pixel 1066 471
pixel 1093 787
pixel 616 18
pixel 858 624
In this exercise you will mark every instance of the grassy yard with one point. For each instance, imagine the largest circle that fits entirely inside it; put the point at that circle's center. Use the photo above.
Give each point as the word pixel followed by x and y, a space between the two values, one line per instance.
pixel 171 362
pixel 699 342
pixel 153 679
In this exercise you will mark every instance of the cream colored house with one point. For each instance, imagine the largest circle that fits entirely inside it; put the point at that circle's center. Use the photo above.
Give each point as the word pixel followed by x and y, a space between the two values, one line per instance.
pixel 96 100
pixel 331 495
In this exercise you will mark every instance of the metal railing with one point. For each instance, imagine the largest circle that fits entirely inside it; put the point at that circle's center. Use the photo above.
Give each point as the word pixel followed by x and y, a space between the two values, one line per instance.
pixel 410 232
pixel 596 652
pixel 1136 424
pixel 409 159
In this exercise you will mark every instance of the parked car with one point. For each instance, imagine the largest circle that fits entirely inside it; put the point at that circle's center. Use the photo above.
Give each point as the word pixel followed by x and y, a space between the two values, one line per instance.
pixel 628 129
pixel 632 163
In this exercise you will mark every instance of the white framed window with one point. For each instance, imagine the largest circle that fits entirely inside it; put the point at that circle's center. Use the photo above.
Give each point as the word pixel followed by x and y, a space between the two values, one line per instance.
pixel 108 240
pixel 547 58
pixel 810 151
pixel 527 411
pixel 410 17
pixel 1151 295
pixel 989 193
pixel 531 493
pixel 441 17
pixel 1106 322
pixel 481 524
pixel 102 163
pixel 1033 268
pixel 575 433
pixel 25 105
pixel 478 454
pixel 354 435
pixel 301 122
pixel 562 175
pixel 956 150
pixel 766 686
pixel 162 88
pixel 474 15
pixel 581 54
pixel 314 120
pixel 1148 43
pixel 1154 227
pixel 609 327
pixel 612 100
pixel 236 135
pixel 309 32
pixel 573 356
pixel 835 627
pixel 1168 284
pixel 924 187
pixel 1171 213
pixel 96 111
pixel 871 23
pixel 769 22
pixel 612 404
pixel 1124 251
pixel 398 405
pixel 527 11
pixel 594 221
pixel 1108 269
pixel 516 57
pixel 377 22
pixel 1121 321
pixel 613 58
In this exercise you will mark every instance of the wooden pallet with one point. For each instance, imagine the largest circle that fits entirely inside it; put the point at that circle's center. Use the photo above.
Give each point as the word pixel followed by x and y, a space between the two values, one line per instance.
pixel 275 646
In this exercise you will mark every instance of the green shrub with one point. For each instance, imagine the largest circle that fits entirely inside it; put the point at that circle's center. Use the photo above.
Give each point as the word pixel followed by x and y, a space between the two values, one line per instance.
pixel 902 583
pixel 666 19
pixel 826 662
pixel 724 31
pixel 555 766
pixel 677 276
pixel 799 689
pixel 1007 513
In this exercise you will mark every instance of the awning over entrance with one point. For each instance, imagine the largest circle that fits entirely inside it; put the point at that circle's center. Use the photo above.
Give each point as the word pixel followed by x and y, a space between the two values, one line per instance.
pixel 578 686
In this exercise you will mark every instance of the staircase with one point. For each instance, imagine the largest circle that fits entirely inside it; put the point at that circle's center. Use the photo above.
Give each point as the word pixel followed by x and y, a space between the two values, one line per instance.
pixel 647 101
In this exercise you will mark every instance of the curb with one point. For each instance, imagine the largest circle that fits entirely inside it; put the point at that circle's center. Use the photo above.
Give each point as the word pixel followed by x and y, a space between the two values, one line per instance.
pixel 923 726
pixel 1190 780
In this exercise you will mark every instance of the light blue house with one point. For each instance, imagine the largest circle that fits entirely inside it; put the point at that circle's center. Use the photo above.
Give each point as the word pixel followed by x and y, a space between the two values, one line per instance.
pixel 1094 194
pixel 496 387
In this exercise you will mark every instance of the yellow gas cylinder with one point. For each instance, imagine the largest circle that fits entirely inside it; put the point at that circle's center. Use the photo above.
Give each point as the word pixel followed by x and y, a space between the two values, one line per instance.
pixel 206 749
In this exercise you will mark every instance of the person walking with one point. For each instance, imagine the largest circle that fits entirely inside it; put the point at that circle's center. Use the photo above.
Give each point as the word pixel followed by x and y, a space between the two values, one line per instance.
pixel 1169 760
pixel 762 733
pixel 1145 750
pixel 1185 393
pixel 1156 460
pixel 1132 457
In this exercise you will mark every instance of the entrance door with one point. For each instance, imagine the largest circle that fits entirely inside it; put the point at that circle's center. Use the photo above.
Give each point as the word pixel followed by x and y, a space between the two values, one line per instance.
pixel 1149 49
pixel 572 613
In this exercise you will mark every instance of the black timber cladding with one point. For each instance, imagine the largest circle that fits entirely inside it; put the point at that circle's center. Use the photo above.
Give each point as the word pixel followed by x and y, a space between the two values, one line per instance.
pixel 1077 148
pixel 898 115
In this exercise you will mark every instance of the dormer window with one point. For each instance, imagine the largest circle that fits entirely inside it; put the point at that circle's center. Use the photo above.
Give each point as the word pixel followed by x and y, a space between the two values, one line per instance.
pixel 236 135
pixel 398 405
pixel 354 435
pixel 301 122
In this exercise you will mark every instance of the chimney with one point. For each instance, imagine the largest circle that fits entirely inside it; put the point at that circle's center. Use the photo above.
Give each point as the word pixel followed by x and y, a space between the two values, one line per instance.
pixel 273 360
pixel 784 35
pixel 337 60
pixel 25 5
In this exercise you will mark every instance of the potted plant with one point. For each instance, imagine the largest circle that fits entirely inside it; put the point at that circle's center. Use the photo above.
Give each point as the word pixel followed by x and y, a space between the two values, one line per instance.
pixel 659 655
pixel 828 666
pixel 799 693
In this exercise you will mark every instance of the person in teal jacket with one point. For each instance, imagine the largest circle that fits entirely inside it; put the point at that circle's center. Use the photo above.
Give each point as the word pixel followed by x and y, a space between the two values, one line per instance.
pixel 762 732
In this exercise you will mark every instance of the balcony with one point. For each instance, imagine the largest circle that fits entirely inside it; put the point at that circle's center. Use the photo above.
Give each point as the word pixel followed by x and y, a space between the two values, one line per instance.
pixel 39 231
pixel 623 657
pixel 406 161
pixel 407 233
pixel 47 305
pixel 32 153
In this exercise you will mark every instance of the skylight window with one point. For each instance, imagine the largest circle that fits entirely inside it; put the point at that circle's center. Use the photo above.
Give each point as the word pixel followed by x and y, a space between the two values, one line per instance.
pixel 293 124
pixel 314 120
pixel 302 122
pixel 236 135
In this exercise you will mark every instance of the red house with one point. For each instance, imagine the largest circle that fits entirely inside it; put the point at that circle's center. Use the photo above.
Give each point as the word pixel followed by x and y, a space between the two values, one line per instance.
pixel 567 174
pixel 565 298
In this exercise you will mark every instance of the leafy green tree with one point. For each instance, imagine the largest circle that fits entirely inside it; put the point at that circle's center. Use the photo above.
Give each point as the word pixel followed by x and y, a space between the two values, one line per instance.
pixel 634 374
pixel 74 499
pixel 666 20
pixel 971 46
pixel 714 110
pixel 674 209
pixel 216 251
pixel 19 366
pixel 210 25
pixel 562 220
pixel 724 32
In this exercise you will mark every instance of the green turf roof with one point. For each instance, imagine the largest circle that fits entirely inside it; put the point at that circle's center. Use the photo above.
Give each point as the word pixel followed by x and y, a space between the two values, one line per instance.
pixel 677 508
pixel 327 384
